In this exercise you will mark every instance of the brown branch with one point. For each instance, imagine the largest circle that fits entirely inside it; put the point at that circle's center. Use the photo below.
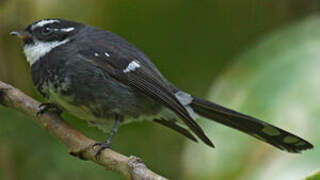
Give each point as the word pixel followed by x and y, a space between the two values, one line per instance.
pixel 78 144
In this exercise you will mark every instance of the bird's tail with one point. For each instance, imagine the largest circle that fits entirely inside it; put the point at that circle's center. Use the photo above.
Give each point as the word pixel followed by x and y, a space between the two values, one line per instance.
pixel 251 126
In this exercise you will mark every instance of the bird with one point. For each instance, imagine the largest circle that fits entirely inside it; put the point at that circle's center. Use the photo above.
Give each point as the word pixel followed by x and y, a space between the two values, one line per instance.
pixel 100 77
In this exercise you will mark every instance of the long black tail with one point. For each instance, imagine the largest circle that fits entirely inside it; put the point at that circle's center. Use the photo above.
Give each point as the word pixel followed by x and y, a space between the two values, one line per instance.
pixel 252 126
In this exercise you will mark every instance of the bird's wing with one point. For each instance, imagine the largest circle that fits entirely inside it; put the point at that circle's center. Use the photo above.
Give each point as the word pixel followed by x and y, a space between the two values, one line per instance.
pixel 128 68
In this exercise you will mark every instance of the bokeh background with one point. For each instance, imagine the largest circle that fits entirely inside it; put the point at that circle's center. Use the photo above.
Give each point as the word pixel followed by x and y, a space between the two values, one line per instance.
pixel 259 57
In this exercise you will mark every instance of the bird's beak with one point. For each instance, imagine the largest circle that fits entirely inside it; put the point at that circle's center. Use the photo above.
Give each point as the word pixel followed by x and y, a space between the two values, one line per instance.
pixel 24 35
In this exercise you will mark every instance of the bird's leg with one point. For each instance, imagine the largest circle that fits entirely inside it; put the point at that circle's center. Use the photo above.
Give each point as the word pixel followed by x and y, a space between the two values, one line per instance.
pixel 107 143
pixel 44 107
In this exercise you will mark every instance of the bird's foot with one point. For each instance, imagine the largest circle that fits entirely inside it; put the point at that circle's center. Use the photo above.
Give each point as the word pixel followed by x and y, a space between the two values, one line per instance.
pixel 102 146
pixel 45 107
pixel 107 143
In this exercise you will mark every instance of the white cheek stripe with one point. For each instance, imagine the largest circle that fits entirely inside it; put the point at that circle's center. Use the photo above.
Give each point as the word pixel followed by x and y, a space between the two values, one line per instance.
pixel 35 51
pixel 132 66
pixel 43 23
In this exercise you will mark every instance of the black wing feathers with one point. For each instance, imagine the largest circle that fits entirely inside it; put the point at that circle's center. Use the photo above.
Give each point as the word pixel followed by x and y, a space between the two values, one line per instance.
pixel 149 81
pixel 146 78
pixel 174 126
pixel 143 80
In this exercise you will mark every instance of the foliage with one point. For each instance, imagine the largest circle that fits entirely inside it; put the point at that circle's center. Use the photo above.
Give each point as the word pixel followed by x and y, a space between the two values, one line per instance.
pixel 315 176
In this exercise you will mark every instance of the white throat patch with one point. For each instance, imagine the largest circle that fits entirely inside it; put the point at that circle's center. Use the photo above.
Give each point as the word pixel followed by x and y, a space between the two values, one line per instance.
pixel 38 49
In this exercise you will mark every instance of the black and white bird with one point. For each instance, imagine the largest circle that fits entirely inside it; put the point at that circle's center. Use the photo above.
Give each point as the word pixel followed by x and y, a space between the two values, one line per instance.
pixel 100 77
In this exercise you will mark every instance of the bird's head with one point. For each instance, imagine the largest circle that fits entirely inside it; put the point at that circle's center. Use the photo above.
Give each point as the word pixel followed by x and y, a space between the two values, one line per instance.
pixel 40 37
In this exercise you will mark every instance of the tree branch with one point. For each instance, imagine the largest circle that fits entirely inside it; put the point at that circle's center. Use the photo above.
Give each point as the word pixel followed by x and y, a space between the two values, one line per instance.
pixel 78 144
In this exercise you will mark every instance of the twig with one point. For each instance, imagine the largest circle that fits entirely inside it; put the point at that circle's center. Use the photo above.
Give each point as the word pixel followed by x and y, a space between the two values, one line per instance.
pixel 79 145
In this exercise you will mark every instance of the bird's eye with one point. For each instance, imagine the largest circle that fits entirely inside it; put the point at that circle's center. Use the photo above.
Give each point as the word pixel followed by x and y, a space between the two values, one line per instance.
pixel 46 31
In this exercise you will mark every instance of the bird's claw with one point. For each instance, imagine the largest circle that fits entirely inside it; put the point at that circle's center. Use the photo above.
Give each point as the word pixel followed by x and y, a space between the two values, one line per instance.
pixel 102 146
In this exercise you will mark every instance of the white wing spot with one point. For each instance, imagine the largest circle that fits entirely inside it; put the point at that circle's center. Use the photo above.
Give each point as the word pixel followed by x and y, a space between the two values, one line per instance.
pixel 132 66
pixel 271 131
pixel 290 139
pixel 184 98
pixel 107 54
pixel 96 54
pixel 191 112
pixel 43 23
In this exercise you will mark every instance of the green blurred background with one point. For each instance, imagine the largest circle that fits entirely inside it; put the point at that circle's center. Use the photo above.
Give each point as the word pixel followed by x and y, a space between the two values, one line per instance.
pixel 259 57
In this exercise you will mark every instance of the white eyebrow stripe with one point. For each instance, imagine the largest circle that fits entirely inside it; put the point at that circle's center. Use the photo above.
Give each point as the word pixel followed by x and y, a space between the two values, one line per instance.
pixel 63 29
pixel 107 54
pixel 67 29
pixel 43 23
pixel 132 66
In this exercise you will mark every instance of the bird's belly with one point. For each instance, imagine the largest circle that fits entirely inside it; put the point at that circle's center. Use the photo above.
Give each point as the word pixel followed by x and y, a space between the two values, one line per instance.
pixel 100 109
